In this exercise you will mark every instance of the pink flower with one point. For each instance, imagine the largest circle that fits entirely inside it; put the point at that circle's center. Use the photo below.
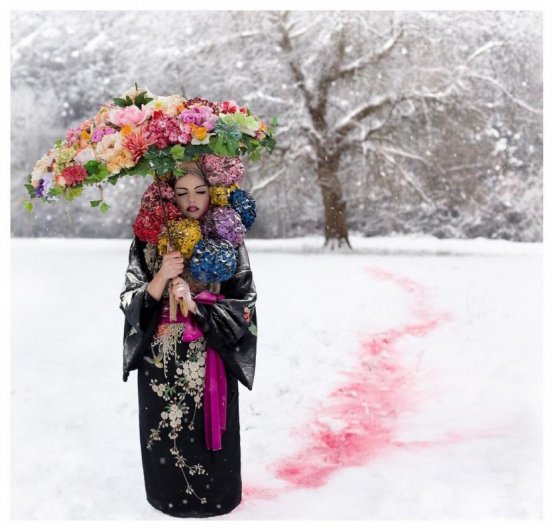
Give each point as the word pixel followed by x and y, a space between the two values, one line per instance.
pixel 222 170
pixel 138 142
pixel 99 133
pixel 131 115
pixel 197 115
pixel 168 130
pixel 74 174
pixel 72 136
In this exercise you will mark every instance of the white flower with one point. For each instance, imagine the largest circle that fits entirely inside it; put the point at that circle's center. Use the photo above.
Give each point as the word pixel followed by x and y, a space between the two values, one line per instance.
pixel 85 155
pixel 132 93
pixel 168 104
pixel 40 168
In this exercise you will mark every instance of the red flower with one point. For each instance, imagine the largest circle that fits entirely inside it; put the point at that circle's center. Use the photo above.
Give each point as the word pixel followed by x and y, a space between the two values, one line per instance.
pixel 165 129
pixel 231 107
pixel 247 314
pixel 74 174
pixel 150 221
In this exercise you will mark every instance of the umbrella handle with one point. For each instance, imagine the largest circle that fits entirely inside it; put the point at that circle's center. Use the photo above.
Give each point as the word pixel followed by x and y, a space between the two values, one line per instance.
pixel 172 299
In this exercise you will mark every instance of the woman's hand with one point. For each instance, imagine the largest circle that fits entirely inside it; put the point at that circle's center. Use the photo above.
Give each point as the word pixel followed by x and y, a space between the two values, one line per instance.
pixel 172 266
pixel 181 289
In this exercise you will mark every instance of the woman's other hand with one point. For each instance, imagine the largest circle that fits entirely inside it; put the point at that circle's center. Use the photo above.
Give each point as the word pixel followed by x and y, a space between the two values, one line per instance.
pixel 172 266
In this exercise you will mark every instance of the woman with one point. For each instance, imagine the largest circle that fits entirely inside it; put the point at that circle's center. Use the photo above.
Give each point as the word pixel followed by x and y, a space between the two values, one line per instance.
pixel 187 474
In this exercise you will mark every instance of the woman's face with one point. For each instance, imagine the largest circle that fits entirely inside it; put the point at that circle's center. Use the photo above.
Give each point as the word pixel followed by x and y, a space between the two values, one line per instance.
pixel 191 191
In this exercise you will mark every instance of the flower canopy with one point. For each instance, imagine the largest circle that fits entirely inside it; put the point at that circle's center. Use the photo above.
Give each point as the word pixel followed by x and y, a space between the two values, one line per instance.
pixel 144 134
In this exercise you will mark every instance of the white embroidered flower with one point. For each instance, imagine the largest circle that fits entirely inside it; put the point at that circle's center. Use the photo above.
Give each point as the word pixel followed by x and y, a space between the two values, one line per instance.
pixel 175 423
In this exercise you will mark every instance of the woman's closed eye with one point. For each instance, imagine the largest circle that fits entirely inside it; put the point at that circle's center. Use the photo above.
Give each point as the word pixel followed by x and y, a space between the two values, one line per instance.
pixel 197 192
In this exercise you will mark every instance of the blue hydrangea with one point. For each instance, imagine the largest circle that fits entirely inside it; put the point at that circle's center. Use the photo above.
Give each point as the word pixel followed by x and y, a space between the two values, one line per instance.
pixel 244 204
pixel 213 260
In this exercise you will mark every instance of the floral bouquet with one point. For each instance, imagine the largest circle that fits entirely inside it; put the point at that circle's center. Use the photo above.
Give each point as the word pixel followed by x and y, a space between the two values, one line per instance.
pixel 209 245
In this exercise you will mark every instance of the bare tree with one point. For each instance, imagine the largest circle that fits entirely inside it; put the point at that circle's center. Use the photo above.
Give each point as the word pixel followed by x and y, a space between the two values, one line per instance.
pixel 367 121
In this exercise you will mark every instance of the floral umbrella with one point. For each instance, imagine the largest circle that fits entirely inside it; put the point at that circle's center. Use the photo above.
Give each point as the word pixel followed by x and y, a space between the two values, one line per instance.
pixel 144 134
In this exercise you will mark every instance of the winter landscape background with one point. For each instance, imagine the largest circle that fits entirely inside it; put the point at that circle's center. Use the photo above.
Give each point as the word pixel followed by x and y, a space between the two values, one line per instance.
pixel 402 381
pixel 399 378
pixel 405 121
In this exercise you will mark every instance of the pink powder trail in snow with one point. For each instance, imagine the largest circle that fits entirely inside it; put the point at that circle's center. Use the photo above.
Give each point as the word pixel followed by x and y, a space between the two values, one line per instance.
pixel 358 420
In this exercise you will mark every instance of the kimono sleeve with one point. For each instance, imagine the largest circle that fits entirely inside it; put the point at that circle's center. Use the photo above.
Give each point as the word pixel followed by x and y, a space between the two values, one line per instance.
pixel 139 307
pixel 230 325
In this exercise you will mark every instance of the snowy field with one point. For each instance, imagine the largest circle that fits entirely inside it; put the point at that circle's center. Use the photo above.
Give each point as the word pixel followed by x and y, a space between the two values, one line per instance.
pixel 398 381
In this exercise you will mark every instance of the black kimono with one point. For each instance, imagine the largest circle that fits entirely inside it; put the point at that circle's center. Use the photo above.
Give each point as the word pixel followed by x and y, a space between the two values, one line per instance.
pixel 182 477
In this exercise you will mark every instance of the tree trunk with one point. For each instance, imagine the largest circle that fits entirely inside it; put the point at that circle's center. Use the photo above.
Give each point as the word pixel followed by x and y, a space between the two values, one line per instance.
pixel 335 208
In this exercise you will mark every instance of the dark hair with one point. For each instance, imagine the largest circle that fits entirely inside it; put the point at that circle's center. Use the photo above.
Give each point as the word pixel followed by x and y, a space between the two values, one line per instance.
pixel 188 167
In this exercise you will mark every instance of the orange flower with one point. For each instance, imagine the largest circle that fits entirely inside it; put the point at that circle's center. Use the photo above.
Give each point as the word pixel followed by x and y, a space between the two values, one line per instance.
pixel 126 130
pixel 199 132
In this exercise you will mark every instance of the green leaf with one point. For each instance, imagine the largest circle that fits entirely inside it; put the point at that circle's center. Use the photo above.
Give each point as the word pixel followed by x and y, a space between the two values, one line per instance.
pixel 95 203
pixel 112 179
pixel 123 102
pixel 178 152
pixel 194 150
pixel 28 206
pixel 104 207
pixel 142 168
pixel 73 192
pixel 31 190
pixel 56 190
pixel 142 99
pixel 92 166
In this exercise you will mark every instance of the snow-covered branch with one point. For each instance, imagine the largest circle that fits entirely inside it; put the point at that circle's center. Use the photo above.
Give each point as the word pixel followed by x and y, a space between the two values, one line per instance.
pixel 408 179
pixel 370 58
pixel 494 82
pixel 264 184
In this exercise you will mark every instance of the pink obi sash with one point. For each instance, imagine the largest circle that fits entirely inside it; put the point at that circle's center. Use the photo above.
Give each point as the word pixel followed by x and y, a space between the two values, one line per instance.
pixel 214 393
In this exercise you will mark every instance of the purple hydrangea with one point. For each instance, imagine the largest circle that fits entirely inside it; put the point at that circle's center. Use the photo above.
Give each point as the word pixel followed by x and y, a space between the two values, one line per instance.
pixel 223 223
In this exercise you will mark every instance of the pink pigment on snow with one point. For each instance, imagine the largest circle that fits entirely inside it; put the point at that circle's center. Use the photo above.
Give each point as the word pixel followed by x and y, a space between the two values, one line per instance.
pixel 366 407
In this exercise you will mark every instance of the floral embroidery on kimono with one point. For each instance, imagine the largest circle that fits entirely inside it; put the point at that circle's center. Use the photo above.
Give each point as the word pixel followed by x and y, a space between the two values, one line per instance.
pixel 189 379
pixel 247 315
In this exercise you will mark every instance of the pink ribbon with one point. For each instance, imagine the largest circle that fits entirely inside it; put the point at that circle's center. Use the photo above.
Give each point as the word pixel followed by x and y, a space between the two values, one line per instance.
pixel 214 393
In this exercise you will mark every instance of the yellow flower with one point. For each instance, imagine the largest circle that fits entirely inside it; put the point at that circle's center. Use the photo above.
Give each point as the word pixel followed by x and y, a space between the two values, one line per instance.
pixel 126 130
pixel 199 132
pixel 185 234
pixel 219 194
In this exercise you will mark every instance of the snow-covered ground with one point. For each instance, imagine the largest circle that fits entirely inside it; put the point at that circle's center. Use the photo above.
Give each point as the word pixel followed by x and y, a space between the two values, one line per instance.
pixel 398 381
